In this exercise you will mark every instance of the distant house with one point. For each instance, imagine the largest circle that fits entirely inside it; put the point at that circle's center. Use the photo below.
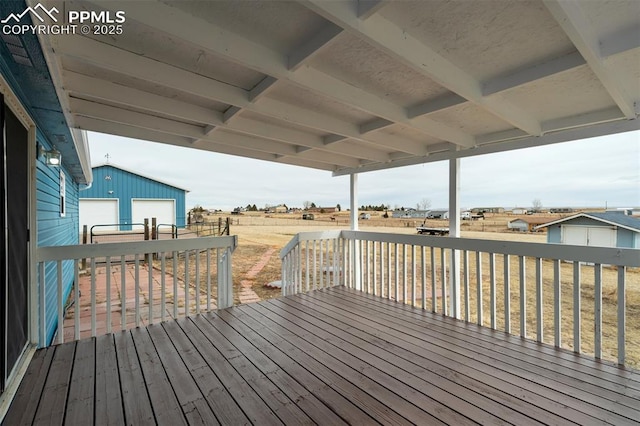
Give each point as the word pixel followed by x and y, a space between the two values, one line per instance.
pixel 410 213
pixel 280 209
pixel 124 197
pixel 487 210
pixel 519 210
pixel 608 229
pixel 438 214
pixel 527 224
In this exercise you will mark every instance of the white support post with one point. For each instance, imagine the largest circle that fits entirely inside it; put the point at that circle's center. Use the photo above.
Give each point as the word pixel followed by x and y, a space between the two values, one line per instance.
pixel 355 253
pixel 454 232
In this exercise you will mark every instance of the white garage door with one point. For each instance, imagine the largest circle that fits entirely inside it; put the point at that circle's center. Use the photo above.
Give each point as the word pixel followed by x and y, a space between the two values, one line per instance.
pixel 99 212
pixel 599 236
pixel 163 210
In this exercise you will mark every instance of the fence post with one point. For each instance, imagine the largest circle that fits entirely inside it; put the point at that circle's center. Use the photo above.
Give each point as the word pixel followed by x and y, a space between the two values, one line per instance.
pixel 154 235
pixel 146 229
pixel 228 226
pixel 84 241
pixel 219 231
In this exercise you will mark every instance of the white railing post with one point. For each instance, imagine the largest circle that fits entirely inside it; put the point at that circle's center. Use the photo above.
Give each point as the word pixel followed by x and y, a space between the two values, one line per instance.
pixel 454 232
pixel 225 280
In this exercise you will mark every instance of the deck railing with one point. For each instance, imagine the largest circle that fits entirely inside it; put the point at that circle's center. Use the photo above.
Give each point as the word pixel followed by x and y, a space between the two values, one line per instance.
pixel 170 278
pixel 570 296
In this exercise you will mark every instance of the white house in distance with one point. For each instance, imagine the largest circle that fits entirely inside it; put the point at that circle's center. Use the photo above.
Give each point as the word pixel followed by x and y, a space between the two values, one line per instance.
pixel 527 224
pixel 608 229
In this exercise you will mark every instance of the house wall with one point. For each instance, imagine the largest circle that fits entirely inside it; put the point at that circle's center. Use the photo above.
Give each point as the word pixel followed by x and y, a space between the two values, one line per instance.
pixel 126 185
pixel 625 238
pixel 55 230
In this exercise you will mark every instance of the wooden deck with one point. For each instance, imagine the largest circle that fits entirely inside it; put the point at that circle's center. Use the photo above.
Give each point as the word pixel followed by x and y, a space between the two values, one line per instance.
pixel 327 357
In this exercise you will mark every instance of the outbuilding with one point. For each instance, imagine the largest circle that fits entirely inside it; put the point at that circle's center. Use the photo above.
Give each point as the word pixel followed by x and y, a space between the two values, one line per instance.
pixel 608 229
pixel 119 198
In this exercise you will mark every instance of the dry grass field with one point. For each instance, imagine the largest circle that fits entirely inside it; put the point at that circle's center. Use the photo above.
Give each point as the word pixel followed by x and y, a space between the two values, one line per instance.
pixel 259 233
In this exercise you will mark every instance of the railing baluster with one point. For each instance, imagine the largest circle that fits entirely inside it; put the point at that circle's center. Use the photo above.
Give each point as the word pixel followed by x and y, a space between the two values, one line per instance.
pixel 597 313
pixel 443 282
pixel 434 300
pixel 367 266
pixel 150 283
pixel 492 289
pixel 163 296
pixel 306 274
pixel 557 304
pixel 93 296
pixel 388 270
pixel 404 273
pixel 375 269
pixel 197 296
pixel 413 275
pixel 335 269
pixel 187 284
pixel 175 282
pixel 136 263
pixel 423 288
pixel 328 264
pixel 622 319
pixel 123 294
pixel 507 294
pixel 315 267
pixel 523 296
pixel 382 270
pixel 397 273
pixel 539 305
pixel 76 300
pixel 467 308
pixel 321 263
pixel 208 254
pixel 577 308
pixel 108 273
pixel 60 302
pixel 479 301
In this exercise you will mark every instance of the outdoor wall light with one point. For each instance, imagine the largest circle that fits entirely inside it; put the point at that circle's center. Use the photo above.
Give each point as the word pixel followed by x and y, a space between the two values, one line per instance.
pixel 51 157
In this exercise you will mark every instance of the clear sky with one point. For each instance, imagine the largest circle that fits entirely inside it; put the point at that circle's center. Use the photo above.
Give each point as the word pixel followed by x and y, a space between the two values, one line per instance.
pixel 596 172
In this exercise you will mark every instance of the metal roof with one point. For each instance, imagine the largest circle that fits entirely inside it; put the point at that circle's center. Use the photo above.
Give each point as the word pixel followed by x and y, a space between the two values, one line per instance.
pixel 352 86
pixel 612 218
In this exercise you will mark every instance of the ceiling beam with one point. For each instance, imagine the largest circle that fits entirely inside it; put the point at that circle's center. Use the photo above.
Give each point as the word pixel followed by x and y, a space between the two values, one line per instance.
pixel 247 53
pixel 573 21
pixel 439 104
pixel 307 50
pixel 396 42
pixel 262 88
pixel 131 64
pixel 536 72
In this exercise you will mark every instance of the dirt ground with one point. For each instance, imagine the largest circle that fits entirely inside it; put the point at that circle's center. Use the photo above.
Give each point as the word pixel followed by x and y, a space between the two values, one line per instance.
pixel 258 233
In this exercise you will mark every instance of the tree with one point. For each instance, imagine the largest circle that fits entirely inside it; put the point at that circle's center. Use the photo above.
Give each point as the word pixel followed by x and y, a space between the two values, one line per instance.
pixel 339 208
pixel 424 204
pixel 536 204
pixel 313 205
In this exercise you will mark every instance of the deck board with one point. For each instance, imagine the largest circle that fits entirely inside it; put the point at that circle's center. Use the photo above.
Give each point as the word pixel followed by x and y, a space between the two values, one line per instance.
pixel 332 356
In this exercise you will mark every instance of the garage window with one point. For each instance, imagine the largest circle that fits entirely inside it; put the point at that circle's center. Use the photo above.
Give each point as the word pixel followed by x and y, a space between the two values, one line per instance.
pixel 63 195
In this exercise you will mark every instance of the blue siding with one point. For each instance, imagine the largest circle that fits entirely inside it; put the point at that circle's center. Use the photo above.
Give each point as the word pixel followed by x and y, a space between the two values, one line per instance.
pixel 126 185
pixel 54 230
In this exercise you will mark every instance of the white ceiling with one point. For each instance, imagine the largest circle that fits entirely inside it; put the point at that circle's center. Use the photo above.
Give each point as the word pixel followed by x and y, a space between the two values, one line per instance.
pixel 350 86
